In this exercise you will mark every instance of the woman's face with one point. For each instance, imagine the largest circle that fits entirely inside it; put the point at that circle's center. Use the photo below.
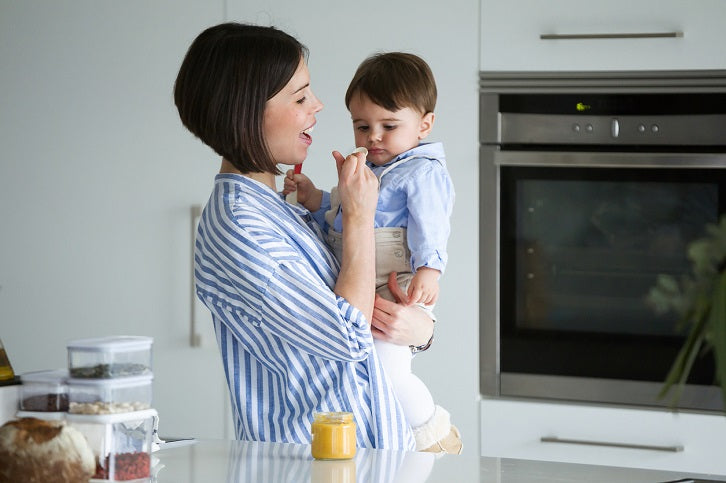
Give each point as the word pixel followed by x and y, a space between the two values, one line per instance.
pixel 289 118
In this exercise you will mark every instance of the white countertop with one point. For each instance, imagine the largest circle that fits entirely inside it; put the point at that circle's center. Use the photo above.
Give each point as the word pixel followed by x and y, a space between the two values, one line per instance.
pixel 242 461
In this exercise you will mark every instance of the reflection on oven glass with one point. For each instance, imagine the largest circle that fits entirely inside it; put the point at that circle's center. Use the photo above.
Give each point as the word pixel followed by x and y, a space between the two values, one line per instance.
pixel 596 247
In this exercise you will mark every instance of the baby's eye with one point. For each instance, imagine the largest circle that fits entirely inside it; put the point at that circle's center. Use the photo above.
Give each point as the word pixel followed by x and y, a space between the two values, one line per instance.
pixel 389 127
pixel 362 128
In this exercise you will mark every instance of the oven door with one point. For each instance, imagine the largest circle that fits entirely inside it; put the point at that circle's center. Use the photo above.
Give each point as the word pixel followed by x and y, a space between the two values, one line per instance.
pixel 582 238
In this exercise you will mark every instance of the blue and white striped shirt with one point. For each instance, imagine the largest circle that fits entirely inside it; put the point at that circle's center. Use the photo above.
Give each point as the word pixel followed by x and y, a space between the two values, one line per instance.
pixel 290 346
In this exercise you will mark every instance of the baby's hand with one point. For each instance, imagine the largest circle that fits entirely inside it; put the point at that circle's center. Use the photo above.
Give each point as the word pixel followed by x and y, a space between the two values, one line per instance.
pixel 300 183
pixel 424 287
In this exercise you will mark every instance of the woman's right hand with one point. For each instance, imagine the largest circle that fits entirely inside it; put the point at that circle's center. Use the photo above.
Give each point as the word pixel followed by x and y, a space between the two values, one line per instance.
pixel 398 323
pixel 357 187
pixel 358 191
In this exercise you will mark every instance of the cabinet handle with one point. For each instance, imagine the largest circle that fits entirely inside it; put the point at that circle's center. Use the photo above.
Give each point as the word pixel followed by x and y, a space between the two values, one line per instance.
pixel 634 35
pixel 195 339
pixel 555 439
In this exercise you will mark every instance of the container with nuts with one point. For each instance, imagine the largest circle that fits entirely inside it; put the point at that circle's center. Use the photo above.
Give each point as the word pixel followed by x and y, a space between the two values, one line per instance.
pixel 109 396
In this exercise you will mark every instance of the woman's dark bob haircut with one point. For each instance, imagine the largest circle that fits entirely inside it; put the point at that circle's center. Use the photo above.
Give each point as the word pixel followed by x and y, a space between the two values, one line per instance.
pixel 228 74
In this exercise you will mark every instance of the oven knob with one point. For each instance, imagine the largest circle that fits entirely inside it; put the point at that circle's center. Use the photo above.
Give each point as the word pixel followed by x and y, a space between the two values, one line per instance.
pixel 654 128
pixel 614 128
pixel 576 127
pixel 588 127
pixel 641 127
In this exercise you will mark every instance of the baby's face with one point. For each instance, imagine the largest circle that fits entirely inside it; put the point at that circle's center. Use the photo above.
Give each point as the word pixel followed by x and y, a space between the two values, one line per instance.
pixel 386 134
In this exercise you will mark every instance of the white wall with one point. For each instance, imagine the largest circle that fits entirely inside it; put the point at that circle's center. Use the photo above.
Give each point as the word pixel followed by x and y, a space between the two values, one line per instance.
pixel 97 175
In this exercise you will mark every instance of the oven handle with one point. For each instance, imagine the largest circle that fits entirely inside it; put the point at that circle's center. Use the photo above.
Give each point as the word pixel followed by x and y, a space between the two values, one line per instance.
pixel 608 159
pixel 554 439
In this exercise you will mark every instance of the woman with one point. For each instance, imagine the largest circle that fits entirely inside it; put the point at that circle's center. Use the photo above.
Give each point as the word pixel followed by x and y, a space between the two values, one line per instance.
pixel 292 324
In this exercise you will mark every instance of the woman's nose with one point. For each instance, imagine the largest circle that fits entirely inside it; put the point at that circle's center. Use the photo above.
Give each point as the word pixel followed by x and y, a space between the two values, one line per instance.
pixel 317 105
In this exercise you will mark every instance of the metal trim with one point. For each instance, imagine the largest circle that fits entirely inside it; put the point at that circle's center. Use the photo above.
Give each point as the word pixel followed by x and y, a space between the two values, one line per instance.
pixel 610 160
pixel 611 82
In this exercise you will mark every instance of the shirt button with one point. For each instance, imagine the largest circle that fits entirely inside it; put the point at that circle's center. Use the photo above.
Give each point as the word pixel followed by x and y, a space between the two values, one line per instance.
pixel 398 253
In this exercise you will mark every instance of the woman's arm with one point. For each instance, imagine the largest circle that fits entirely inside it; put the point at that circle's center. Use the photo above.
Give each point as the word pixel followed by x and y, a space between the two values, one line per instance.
pixel 358 190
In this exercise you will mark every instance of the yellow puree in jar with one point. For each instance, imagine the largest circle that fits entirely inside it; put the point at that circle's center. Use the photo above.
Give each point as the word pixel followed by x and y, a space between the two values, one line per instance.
pixel 333 436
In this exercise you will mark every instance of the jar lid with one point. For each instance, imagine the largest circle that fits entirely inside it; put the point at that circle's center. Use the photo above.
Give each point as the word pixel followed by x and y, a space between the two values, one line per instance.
pixel 55 376
pixel 123 343
pixel 126 381
pixel 333 417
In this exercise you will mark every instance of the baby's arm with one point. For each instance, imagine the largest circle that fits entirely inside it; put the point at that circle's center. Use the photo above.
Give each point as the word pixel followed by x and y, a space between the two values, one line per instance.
pixel 307 194
pixel 424 287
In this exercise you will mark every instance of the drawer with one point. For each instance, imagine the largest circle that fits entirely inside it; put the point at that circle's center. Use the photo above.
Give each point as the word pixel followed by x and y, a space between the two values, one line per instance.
pixel 588 35
pixel 514 429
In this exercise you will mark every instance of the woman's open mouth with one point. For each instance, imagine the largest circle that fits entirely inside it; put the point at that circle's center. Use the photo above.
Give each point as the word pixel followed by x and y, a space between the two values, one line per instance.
pixel 305 135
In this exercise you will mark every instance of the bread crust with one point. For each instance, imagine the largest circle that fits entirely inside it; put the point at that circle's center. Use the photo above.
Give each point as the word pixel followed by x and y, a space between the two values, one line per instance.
pixel 33 450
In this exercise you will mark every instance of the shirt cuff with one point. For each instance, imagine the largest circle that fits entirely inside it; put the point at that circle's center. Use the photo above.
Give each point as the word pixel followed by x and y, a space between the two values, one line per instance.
pixel 432 259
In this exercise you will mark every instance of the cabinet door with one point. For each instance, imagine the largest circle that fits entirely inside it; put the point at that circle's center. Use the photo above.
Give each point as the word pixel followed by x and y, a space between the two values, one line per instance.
pixel 600 435
pixel 532 35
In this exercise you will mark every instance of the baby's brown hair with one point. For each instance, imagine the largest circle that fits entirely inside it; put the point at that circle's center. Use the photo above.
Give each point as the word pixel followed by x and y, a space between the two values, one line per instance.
pixel 395 80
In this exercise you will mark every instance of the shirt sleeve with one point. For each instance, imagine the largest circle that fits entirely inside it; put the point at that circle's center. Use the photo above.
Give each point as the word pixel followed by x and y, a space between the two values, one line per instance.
pixel 275 288
pixel 319 216
pixel 429 200
pixel 310 316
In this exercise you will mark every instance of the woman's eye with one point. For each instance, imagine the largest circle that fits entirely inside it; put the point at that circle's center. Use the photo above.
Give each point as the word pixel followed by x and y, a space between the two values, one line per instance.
pixel 301 100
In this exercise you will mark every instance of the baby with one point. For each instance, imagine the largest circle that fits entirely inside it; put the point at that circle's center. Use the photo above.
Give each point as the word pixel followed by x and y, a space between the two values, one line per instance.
pixel 391 100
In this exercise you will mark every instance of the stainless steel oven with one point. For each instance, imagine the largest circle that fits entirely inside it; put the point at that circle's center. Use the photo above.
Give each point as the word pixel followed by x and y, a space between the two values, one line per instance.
pixel 592 184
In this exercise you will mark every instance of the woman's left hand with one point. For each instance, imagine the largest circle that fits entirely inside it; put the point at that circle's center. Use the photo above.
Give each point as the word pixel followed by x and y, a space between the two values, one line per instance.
pixel 400 324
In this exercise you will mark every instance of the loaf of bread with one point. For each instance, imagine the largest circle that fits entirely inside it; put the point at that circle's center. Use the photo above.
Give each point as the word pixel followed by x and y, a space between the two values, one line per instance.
pixel 35 451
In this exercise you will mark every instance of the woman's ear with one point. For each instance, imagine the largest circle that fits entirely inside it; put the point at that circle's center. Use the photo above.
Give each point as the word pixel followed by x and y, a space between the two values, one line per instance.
pixel 426 125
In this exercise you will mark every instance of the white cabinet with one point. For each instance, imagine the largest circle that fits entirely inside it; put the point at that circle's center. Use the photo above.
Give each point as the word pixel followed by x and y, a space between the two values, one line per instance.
pixel 668 441
pixel 511 35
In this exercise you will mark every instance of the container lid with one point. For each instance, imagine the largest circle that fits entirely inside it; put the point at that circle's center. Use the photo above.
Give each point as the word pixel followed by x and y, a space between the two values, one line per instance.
pixel 121 343
pixel 54 376
pixel 112 418
pixel 44 415
pixel 126 381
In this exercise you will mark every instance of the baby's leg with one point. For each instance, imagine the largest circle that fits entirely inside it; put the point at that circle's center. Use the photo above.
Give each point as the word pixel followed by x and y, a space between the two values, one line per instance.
pixel 412 393
pixel 431 424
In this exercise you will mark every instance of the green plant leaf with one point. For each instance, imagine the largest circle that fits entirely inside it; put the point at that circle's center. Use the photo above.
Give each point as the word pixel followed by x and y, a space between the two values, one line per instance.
pixel 717 325
pixel 700 299
pixel 681 367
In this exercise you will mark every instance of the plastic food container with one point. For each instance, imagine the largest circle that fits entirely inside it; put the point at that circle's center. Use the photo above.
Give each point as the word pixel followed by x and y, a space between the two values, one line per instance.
pixel 109 357
pixel 333 436
pixel 44 415
pixel 109 396
pixel 121 443
pixel 44 391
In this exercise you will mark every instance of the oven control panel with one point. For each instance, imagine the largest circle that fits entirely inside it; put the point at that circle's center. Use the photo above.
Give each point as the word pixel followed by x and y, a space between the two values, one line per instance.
pixel 681 130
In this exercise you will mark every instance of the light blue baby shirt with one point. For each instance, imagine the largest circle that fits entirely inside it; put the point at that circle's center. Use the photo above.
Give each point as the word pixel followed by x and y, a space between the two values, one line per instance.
pixel 418 195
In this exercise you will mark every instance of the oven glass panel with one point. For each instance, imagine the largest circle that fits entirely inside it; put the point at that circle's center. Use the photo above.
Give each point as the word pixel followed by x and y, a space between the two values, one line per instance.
pixel 581 248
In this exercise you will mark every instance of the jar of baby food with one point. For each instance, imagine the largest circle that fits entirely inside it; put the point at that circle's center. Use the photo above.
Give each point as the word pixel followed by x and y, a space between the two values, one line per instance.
pixel 333 436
